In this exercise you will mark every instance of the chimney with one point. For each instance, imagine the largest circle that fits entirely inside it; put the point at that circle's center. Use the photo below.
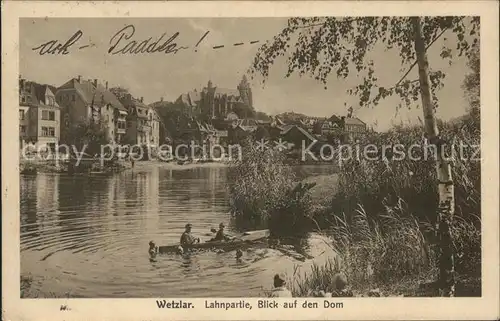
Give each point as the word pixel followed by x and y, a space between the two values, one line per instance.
pixel 106 85
pixel 79 78
pixel 95 83
pixel 161 99
pixel 142 99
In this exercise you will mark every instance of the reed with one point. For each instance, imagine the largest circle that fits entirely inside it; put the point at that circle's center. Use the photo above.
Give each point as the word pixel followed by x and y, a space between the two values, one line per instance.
pixel 382 217
pixel 264 190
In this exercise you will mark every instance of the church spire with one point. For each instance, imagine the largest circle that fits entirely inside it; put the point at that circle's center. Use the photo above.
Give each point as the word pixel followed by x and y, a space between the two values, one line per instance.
pixel 245 91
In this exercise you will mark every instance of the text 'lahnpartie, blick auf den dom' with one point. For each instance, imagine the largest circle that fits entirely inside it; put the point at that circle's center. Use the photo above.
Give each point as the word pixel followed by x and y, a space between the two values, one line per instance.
pixel 261 304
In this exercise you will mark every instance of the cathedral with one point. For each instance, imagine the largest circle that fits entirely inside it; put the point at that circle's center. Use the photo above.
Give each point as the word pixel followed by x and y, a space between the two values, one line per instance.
pixel 213 102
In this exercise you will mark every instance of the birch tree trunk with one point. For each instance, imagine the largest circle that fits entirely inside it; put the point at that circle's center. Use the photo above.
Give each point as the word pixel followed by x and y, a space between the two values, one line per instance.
pixel 443 167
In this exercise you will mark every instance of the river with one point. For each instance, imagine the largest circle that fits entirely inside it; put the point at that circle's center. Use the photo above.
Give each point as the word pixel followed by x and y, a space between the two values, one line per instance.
pixel 88 236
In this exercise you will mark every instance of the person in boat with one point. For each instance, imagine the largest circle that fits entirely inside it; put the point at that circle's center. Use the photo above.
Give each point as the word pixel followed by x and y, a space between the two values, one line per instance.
pixel 187 238
pixel 280 289
pixel 221 236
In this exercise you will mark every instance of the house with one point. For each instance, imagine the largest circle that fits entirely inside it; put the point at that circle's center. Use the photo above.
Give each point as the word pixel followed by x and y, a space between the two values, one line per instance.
pixel 327 128
pixel 297 136
pixel 240 129
pixel 84 100
pixel 143 122
pixel 39 115
pixel 353 127
pixel 154 121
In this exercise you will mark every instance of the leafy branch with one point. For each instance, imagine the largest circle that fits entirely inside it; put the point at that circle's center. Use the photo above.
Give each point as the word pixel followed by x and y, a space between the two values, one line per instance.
pixel 322 46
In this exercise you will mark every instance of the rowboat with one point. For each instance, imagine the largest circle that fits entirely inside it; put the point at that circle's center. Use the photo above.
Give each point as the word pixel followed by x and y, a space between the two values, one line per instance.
pixel 247 239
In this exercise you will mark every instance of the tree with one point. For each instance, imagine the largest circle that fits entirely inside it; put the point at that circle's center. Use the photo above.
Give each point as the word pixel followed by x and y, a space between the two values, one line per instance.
pixel 326 45
pixel 261 133
pixel 119 92
pixel 244 111
pixel 260 115
pixel 471 83
pixel 88 137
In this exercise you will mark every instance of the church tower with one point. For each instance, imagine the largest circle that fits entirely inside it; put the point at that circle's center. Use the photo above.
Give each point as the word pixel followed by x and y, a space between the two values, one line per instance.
pixel 245 92
pixel 209 100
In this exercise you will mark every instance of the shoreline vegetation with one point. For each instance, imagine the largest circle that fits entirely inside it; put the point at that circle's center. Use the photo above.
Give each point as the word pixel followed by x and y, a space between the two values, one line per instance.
pixel 379 215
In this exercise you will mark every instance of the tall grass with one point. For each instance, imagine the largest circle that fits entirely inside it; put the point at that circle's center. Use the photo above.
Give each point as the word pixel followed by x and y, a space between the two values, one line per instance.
pixel 264 191
pixel 318 278
pixel 384 213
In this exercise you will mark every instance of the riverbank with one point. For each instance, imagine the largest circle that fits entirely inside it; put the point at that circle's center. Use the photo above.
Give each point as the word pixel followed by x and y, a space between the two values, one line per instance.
pixel 31 167
pixel 376 212
pixel 315 278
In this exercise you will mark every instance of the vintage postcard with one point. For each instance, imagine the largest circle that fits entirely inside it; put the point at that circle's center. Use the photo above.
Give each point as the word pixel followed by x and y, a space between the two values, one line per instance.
pixel 250 160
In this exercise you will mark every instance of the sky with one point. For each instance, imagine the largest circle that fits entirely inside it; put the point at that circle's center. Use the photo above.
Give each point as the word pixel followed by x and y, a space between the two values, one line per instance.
pixel 158 75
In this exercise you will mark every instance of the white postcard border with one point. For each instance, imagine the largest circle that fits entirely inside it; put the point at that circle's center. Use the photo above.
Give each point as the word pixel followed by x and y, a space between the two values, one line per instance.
pixel 14 308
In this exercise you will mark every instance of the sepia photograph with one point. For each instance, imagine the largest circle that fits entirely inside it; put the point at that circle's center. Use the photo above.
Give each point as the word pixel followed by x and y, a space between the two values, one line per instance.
pixel 303 156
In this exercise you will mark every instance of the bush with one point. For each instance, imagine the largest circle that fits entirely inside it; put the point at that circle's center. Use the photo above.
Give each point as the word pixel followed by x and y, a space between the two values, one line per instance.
pixel 384 212
pixel 263 191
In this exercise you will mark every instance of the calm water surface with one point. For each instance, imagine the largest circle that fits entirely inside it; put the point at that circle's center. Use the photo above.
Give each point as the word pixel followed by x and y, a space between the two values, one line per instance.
pixel 88 236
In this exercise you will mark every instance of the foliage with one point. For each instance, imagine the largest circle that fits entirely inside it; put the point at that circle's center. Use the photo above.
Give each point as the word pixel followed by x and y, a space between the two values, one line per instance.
pixel 324 46
pixel 472 85
pixel 383 249
pixel 320 46
pixel 292 214
pixel 244 111
pixel 263 190
pixel 260 115
pixel 88 133
pixel 402 167
pixel 319 278
pixel 383 211
pixel 119 92
pixel 261 133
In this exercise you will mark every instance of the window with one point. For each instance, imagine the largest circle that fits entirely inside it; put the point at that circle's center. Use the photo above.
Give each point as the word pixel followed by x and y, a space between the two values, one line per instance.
pixel 48 115
pixel 48 131
pixel 73 97
pixel 22 129
pixel 21 114
pixel 23 99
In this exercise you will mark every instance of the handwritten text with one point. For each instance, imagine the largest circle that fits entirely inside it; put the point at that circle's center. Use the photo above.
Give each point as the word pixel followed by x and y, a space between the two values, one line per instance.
pixel 120 43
